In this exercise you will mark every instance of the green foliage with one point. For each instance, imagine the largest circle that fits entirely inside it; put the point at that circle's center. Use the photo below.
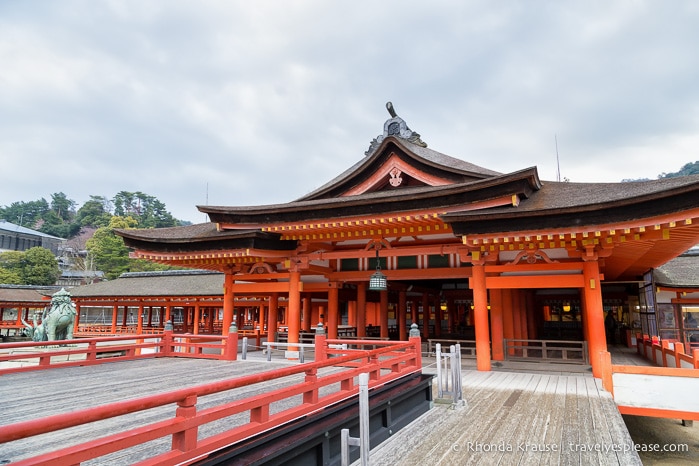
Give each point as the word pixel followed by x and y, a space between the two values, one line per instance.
pixel 110 255
pixel 35 266
pixel 9 277
pixel 26 214
pixel 108 251
pixel 94 213
pixel 147 210
pixel 691 168
pixel 40 267
pixel 62 207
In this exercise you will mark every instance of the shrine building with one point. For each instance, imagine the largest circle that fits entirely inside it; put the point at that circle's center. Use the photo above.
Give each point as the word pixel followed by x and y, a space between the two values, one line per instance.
pixel 410 235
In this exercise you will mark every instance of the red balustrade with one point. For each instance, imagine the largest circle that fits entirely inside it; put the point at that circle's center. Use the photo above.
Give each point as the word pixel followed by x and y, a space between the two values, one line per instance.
pixel 386 362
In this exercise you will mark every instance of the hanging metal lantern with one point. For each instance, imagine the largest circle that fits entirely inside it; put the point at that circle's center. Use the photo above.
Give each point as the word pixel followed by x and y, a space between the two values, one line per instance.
pixel 377 281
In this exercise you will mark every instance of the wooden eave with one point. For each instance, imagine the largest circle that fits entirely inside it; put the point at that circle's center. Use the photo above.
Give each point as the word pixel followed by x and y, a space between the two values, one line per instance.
pixel 180 240
pixel 433 198
pixel 543 213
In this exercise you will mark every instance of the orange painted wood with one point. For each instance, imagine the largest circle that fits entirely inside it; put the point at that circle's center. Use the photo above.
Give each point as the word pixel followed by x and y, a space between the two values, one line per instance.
pixel 480 302
pixel 535 281
pixel 496 325
pixel 592 290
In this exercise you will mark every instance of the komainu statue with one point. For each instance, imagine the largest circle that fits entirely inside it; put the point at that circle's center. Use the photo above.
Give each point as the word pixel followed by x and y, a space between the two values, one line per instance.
pixel 57 321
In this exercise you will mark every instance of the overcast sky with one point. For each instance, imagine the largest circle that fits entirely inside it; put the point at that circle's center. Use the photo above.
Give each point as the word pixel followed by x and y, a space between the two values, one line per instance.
pixel 258 102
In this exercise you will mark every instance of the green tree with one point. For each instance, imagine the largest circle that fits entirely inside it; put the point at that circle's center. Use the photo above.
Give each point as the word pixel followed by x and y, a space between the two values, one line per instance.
pixel 148 211
pixel 108 252
pixel 9 277
pixel 40 267
pixel 35 266
pixel 26 214
pixel 94 213
pixel 63 207
pixel 691 168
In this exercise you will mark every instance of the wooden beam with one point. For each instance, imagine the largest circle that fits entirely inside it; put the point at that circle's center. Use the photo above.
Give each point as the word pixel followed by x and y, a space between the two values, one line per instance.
pixel 534 281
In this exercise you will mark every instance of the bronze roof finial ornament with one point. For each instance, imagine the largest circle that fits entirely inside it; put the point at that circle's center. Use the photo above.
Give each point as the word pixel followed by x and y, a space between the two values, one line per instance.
pixel 396 127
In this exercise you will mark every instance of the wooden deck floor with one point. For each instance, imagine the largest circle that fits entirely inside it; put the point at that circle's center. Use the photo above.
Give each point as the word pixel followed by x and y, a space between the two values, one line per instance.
pixel 31 395
pixel 510 415
pixel 516 418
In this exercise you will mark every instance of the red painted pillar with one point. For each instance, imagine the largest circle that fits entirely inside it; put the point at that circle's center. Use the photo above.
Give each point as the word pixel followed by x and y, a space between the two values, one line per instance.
pixel 516 317
pixel 197 318
pixel 361 309
pixel 307 324
pixel 228 298
pixel 496 325
pixel 480 302
pixel 294 320
pixel 508 328
pixel 352 313
pixel 272 316
pixel 139 320
pixel 592 290
pixel 76 324
pixel 425 316
pixel 383 313
pixel 333 310
pixel 402 315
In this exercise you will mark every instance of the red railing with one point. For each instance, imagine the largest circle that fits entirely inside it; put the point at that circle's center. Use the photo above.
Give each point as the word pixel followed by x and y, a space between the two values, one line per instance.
pixel 667 353
pixel 90 351
pixel 387 362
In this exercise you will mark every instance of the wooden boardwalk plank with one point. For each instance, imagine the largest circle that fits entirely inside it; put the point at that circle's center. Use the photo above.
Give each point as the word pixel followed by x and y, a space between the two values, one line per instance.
pixel 515 419
pixel 25 397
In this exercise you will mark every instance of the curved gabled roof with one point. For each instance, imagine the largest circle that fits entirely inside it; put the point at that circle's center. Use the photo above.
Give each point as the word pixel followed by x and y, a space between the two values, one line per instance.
pixel 521 183
pixel 439 165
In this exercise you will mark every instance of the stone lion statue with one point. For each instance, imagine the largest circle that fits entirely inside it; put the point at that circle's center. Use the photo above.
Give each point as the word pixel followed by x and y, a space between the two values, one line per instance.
pixel 57 321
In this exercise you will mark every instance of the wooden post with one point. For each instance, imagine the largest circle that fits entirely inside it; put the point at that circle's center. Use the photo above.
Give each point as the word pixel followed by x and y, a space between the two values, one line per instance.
pixel 383 313
pixel 228 299
pixel 425 316
pixel 402 314
pixel 333 310
pixel 230 352
pixel 496 325
pixel 187 439
pixel 605 367
pixel 679 349
pixel 197 318
pixel 272 316
pixel 321 347
pixel 115 314
pixel 415 340
pixel 480 302
pixel 294 321
pixel 361 309
pixel 592 290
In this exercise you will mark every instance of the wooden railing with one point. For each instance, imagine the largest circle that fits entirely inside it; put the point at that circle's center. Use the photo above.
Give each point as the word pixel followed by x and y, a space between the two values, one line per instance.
pixel 547 350
pixel 391 361
pixel 468 347
pixel 667 353
pixel 90 351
